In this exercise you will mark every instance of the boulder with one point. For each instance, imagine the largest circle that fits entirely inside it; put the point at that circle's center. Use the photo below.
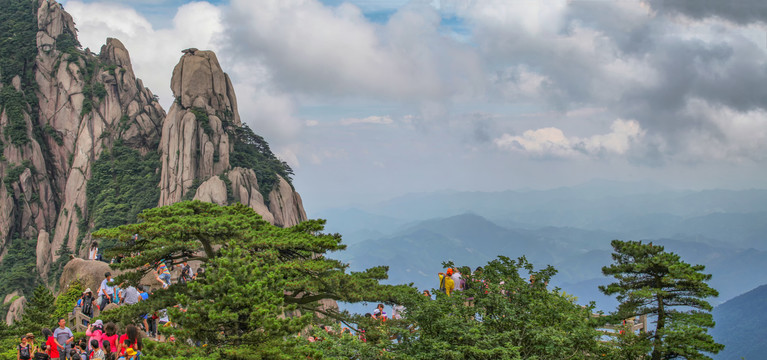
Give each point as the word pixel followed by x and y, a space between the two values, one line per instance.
pixel 212 190
pixel 286 205
pixel 90 272
pixel 245 191
pixel 15 310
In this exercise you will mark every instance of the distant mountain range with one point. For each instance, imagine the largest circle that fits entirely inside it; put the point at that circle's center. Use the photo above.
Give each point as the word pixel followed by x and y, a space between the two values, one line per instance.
pixel 569 228
pixel 729 217
pixel 740 326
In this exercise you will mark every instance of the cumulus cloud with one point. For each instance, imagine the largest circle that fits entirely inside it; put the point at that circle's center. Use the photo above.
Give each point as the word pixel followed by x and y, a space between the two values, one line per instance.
pixel 551 142
pixel 320 50
pixel 154 52
pixel 692 85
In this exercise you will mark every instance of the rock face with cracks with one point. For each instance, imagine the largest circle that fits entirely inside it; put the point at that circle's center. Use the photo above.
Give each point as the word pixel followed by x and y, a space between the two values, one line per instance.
pixel 88 103
pixel 198 140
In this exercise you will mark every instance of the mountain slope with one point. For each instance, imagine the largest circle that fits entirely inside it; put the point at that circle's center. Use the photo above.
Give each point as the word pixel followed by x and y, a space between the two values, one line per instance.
pixel 740 326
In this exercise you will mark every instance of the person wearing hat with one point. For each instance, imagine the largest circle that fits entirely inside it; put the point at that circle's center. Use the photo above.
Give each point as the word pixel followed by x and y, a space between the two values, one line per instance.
pixel 86 303
pixel 130 354
pixel 94 332
pixel 446 283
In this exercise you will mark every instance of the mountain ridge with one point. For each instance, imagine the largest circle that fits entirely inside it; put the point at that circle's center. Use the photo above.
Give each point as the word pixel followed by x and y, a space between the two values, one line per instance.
pixel 69 116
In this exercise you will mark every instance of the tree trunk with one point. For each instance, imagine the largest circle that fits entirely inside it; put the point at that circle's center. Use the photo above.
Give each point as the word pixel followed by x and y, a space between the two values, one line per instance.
pixel 657 353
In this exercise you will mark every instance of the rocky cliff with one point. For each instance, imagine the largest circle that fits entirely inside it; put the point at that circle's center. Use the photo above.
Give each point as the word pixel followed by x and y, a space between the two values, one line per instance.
pixel 85 145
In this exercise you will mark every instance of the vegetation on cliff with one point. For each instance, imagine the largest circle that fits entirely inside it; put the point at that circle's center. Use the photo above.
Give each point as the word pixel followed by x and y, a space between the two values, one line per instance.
pixel 18 47
pixel 251 151
pixel 123 184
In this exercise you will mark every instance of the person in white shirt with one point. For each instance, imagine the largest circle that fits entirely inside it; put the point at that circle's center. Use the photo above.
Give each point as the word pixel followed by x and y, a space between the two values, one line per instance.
pixel 106 291
pixel 93 253
pixel 457 280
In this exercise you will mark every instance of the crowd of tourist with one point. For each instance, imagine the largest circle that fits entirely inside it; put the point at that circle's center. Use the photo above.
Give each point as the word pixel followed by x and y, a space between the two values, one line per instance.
pixel 101 342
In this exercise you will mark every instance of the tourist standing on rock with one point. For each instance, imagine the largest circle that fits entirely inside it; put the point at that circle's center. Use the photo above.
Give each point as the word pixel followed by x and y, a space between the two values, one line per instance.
pixel 93 253
pixel 106 291
pixel 63 337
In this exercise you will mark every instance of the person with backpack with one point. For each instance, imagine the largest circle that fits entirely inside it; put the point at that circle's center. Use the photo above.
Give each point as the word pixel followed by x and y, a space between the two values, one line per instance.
pixel 87 302
pixel 82 351
pixel 25 349
pixel 446 283
pixel 186 272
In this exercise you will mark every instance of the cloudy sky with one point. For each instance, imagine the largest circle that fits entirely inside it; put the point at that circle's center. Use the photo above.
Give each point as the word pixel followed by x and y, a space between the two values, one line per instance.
pixel 370 99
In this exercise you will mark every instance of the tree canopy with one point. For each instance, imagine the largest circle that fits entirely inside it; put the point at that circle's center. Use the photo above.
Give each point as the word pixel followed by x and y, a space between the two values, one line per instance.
pixel 654 282
pixel 262 284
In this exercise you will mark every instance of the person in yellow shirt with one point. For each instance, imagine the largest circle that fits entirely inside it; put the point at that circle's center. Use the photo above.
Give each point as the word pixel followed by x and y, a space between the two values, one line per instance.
pixel 446 283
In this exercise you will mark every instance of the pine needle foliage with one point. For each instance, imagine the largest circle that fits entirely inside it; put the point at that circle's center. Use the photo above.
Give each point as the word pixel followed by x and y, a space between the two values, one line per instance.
pixel 657 283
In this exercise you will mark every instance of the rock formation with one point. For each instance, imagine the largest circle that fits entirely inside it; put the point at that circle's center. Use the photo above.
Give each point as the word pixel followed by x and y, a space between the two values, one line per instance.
pixel 90 272
pixel 89 104
pixel 198 138
pixel 16 307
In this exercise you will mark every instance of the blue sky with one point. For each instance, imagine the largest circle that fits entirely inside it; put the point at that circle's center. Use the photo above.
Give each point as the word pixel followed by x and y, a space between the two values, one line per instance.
pixel 371 99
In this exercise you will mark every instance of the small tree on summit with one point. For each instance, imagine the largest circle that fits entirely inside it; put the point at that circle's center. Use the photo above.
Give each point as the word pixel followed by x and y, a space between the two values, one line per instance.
pixel 654 282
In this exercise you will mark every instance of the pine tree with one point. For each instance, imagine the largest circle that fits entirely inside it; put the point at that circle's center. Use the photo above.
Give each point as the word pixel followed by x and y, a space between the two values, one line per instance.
pixel 38 312
pixel 654 282
pixel 262 284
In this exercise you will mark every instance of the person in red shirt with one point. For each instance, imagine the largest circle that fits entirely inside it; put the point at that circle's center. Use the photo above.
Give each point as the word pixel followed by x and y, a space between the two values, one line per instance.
pixel 134 341
pixel 50 342
pixel 110 335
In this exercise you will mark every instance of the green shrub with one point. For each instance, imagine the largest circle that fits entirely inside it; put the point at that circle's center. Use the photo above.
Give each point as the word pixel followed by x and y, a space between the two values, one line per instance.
pixel 53 134
pixel 123 184
pixel 203 120
pixel 67 300
pixel 14 104
pixel 18 271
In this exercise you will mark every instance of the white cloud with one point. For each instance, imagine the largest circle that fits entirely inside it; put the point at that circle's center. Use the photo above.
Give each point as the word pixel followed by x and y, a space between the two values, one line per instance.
pixel 552 142
pixel 320 50
pixel 154 52
pixel 379 120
